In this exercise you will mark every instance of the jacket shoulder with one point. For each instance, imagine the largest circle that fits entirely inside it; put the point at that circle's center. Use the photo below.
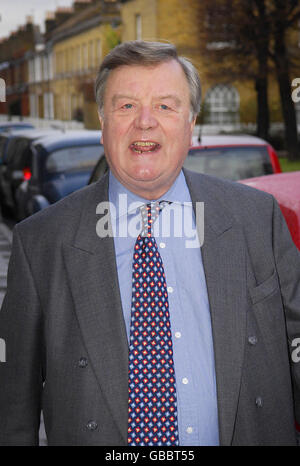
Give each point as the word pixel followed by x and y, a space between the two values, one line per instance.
pixel 63 216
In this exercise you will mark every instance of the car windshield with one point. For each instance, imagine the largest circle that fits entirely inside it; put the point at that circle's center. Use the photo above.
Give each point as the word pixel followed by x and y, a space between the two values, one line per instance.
pixel 232 163
pixel 76 158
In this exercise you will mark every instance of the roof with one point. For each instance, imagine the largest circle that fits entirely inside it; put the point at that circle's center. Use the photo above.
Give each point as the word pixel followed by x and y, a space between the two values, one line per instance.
pixel 10 124
pixel 228 139
pixel 86 18
pixel 68 138
pixel 285 187
pixel 33 133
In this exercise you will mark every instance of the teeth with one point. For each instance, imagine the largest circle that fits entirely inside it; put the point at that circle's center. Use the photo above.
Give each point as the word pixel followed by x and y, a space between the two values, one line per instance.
pixel 144 143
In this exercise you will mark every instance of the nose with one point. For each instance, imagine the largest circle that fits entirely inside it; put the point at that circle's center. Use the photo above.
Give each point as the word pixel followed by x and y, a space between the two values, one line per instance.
pixel 145 118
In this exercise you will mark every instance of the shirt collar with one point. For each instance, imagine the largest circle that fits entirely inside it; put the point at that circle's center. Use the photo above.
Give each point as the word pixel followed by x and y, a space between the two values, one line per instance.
pixel 177 194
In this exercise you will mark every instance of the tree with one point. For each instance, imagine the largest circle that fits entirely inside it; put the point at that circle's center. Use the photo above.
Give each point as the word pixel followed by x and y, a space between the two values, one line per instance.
pixel 246 39
pixel 235 42
pixel 284 15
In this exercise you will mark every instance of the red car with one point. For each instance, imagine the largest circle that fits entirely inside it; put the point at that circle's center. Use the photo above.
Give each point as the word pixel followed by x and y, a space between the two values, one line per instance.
pixel 285 187
pixel 232 157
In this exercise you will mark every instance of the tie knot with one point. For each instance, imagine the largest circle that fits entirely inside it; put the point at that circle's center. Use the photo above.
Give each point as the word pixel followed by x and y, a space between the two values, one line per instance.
pixel 149 213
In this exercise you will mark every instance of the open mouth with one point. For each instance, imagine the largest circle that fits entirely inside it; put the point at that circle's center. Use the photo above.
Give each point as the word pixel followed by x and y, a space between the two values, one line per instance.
pixel 141 147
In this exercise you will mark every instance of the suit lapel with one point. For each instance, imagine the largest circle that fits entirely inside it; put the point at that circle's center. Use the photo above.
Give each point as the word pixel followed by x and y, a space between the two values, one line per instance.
pixel 223 254
pixel 92 273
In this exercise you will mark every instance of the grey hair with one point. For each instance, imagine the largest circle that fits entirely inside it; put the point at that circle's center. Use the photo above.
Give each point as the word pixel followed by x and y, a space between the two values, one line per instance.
pixel 139 52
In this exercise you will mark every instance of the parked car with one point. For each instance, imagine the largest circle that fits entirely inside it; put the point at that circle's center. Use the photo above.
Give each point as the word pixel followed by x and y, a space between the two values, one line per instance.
pixel 60 164
pixel 230 157
pixel 14 125
pixel 285 187
pixel 16 161
pixel 233 157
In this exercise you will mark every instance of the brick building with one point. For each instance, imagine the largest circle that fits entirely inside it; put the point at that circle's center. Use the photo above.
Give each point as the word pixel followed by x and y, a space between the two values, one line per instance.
pixel 14 52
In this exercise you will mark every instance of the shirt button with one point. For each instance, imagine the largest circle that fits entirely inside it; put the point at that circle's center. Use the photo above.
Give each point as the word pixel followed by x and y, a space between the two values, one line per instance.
pixel 162 245
pixel 185 381
pixel 170 289
pixel 189 430
pixel 177 334
pixel 92 425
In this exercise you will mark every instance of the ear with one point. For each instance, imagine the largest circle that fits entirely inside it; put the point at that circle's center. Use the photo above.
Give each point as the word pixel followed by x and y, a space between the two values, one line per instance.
pixel 193 122
pixel 101 120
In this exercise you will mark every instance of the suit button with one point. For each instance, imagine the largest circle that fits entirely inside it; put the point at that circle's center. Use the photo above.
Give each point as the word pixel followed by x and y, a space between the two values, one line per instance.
pixel 259 402
pixel 92 425
pixel 83 362
pixel 252 340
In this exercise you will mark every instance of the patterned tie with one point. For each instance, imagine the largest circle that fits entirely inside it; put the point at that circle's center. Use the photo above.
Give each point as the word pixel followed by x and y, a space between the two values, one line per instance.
pixel 152 402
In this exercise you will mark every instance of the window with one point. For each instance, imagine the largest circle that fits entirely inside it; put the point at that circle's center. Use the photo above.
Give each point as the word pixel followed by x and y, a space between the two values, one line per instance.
pixel 221 105
pixel 75 158
pixel 33 105
pixel 98 52
pixel 138 27
pixel 78 54
pixel 91 55
pixel 38 68
pixel 31 70
pixel 45 67
pixel 84 56
pixel 233 163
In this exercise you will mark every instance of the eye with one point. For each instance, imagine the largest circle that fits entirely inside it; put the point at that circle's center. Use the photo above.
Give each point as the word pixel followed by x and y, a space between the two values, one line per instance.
pixel 127 106
pixel 164 107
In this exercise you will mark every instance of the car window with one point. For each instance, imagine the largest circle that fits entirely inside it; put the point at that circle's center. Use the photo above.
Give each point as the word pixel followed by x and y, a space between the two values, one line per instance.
pixel 232 163
pixel 22 156
pixel 12 144
pixel 73 158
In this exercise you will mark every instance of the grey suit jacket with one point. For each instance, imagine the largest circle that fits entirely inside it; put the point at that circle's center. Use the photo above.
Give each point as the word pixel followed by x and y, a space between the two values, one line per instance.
pixel 65 335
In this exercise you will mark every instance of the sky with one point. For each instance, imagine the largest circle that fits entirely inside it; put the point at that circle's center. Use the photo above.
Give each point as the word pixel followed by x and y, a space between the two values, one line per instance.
pixel 13 12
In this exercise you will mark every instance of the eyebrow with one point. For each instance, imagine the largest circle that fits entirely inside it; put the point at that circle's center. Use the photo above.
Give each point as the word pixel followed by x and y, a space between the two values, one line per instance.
pixel 122 96
pixel 160 97
pixel 170 96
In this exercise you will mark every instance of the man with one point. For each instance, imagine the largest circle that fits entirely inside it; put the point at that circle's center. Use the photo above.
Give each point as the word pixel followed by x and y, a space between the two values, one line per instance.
pixel 82 305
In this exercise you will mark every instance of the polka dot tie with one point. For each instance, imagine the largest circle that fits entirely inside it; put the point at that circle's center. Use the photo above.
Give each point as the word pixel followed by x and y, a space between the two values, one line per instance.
pixel 152 406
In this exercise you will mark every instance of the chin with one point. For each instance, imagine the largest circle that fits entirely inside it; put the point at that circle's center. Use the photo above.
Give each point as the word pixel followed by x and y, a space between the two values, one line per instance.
pixel 145 174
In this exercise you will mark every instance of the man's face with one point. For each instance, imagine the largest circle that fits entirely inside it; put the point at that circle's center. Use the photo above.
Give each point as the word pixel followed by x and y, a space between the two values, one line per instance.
pixel 146 130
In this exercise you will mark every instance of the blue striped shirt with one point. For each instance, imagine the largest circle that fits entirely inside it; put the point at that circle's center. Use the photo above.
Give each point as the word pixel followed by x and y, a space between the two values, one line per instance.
pixel 188 304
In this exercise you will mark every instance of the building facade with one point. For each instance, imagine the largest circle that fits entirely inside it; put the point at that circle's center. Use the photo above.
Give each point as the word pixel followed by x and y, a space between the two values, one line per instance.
pixel 14 52
pixel 225 104
pixel 78 47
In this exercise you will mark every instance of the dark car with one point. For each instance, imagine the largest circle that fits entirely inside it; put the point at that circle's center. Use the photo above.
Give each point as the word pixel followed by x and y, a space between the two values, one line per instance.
pixel 230 157
pixel 14 125
pixel 16 161
pixel 285 187
pixel 60 164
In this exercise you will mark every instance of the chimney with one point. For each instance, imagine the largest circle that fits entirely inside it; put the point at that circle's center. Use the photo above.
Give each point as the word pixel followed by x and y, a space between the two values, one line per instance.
pixel 80 5
pixel 62 14
pixel 50 22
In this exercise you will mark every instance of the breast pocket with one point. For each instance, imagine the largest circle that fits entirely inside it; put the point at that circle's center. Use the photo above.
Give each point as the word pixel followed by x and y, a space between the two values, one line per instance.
pixel 266 315
pixel 265 289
